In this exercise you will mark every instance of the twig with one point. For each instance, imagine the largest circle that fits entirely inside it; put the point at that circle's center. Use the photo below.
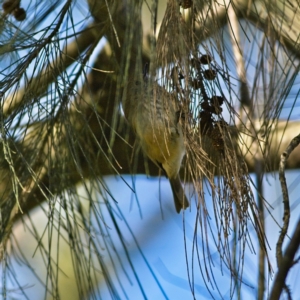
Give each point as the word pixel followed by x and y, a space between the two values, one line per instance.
pixel 285 262
pixel 286 205
pixel 238 54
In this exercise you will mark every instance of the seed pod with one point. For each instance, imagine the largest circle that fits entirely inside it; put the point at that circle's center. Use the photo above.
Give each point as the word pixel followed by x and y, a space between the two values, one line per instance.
pixel 205 105
pixel 186 4
pixel 196 84
pixel 210 74
pixel 205 116
pixel 206 127
pixel 205 59
pixel 196 64
pixel 217 139
pixel 217 100
pixel 20 14
pixel 221 124
pixel 9 6
pixel 217 110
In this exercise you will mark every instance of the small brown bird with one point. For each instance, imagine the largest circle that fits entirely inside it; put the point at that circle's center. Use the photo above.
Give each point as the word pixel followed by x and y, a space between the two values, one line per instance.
pixel 151 111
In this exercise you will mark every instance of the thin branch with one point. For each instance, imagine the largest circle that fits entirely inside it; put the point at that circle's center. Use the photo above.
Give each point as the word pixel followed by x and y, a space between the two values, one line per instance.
pixel 238 54
pixel 286 202
pixel 285 262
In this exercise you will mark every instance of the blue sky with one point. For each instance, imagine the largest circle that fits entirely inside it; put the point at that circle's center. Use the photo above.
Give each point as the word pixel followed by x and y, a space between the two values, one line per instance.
pixel 160 234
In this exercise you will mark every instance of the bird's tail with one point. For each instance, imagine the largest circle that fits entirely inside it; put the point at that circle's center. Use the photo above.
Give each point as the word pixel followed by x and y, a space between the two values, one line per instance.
pixel 180 199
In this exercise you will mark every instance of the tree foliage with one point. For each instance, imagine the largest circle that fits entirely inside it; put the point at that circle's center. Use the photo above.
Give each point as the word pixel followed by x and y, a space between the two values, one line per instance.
pixel 66 67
